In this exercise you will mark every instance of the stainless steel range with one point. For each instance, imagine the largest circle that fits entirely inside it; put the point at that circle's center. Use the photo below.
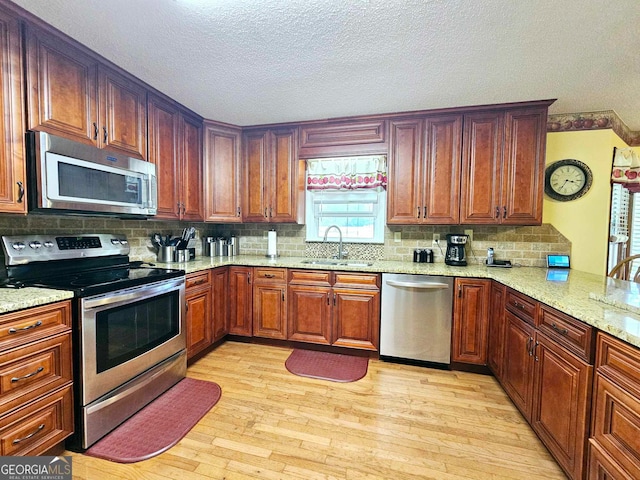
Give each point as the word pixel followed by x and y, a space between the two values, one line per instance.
pixel 128 328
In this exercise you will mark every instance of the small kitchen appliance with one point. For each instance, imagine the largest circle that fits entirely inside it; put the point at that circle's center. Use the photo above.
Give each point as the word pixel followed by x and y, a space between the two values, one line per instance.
pixel 456 253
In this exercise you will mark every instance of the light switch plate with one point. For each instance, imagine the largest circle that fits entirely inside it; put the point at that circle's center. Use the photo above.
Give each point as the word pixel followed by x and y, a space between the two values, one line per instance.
pixel 397 236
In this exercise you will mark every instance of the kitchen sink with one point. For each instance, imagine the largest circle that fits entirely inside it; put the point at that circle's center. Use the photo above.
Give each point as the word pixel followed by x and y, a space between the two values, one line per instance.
pixel 345 263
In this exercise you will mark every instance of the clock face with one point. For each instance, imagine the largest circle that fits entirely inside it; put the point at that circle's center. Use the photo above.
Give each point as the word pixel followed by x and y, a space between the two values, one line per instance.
pixel 567 180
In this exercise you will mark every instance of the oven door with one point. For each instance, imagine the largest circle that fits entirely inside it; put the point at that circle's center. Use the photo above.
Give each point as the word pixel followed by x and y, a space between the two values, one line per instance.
pixel 126 332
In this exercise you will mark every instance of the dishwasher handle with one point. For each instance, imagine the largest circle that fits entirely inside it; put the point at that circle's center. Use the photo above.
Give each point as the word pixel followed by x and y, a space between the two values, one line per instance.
pixel 421 285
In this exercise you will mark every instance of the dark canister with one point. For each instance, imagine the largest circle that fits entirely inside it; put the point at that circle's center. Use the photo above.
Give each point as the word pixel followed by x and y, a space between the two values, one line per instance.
pixel 423 256
pixel 428 255
pixel 416 255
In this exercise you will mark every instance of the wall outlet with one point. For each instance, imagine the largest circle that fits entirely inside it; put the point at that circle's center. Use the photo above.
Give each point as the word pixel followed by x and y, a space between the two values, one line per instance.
pixel 436 239
pixel 470 233
pixel 397 236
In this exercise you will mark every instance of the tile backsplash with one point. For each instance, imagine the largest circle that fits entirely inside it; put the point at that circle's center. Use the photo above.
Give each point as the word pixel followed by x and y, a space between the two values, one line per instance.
pixel 527 246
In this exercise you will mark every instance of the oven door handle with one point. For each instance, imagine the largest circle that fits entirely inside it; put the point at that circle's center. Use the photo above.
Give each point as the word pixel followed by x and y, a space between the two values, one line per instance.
pixel 132 294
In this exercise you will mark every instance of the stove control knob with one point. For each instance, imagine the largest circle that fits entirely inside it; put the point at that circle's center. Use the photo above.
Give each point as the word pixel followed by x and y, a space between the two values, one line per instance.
pixel 115 241
pixel 18 246
pixel 48 244
pixel 123 241
pixel 35 245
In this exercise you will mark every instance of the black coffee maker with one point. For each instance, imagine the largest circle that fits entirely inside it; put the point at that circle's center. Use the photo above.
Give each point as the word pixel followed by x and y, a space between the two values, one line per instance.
pixel 456 255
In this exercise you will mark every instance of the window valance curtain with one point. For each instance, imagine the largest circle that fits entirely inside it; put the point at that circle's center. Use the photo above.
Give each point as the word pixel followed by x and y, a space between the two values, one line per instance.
pixel 626 169
pixel 347 173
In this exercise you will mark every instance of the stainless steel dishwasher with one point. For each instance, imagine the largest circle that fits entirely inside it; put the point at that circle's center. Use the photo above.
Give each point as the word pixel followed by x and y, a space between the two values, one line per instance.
pixel 416 318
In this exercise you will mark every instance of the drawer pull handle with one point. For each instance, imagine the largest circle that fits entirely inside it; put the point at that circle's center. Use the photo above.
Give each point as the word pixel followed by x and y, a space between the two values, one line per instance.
pixel 269 275
pixel 28 327
pixel 37 430
pixel 518 305
pixel 28 375
pixel 199 282
pixel 561 331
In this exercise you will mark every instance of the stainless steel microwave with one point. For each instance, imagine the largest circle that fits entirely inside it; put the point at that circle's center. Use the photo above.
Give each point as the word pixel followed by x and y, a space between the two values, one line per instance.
pixel 71 177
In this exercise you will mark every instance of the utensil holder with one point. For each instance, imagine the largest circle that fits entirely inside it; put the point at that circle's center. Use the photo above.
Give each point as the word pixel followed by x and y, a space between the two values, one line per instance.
pixel 166 254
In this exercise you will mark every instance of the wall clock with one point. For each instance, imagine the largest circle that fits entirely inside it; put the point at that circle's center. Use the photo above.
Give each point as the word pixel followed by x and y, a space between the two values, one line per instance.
pixel 567 179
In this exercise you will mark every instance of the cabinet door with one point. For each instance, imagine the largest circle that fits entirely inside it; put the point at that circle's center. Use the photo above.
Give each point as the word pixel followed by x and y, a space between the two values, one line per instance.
pixel 523 166
pixel 164 132
pixel 562 383
pixel 309 314
pixel 241 302
pixel 12 160
pixel 61 88
pixel 470 320
pixel 222 174
pixel 517 374
pixel 123 114
pixel 254 201
pixel 199 328
pixel 441 177
pixel 481 166
pixel 404 194
pixel 191 168
pixel 285 187
pixel 356 318
pixel 270 311
pixel 220 302
pixel 495 349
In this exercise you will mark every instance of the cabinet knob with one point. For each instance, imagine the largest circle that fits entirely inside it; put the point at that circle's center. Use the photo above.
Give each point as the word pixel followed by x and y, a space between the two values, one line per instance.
pixel 106 135
pixel 424 212
pixel 238 214
pixel 20 192
pixel 418 212
pixel 95 131
pixel 504 212
pixel 497 212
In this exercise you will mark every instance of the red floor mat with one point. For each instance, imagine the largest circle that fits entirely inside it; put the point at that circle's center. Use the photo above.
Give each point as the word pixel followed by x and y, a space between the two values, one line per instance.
pixel 327 366
pixel 159 425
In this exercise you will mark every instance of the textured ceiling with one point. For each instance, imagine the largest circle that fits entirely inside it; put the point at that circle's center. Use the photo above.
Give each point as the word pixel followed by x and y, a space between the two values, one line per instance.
pixel 251 62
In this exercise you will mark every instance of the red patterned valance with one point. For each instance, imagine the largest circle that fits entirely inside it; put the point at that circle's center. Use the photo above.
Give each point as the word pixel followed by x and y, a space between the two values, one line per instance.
pixel 347 173
pixel 626 168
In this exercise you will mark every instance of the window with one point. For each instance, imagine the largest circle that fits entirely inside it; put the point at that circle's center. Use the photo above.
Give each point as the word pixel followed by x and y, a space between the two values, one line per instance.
pixel 349 193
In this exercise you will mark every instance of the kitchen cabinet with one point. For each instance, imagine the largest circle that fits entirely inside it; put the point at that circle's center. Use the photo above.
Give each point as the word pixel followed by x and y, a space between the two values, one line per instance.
pixel 12 161
pixel 220 302
pixel 614 447
pixel 547 381
pixel 71 94
pixel 222 173
pixel 353 137
pixel 273 178
pixel 241 301
pixel 334 308
pixel 270 303
pixel 503 158
pixel 470 320
pixel 199 322
pixel 424 170
pixel 495 347
pixel 36 374
pixel 175 147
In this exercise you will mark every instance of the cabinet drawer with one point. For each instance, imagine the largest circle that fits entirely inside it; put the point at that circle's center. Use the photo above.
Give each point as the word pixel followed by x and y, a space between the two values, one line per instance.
pixel 357 280
pixel 270 275
pixel 567 331
pixel 21 327
pixel 616 424
pixel 310 277
pixel 38 426
pixel 197 279
pixel 618 361
pixel 522 306
pixel 602 466
pixel 34 370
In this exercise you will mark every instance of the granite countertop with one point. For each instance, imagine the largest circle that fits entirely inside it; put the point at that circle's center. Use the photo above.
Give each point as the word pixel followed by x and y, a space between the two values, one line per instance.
pixel 609 305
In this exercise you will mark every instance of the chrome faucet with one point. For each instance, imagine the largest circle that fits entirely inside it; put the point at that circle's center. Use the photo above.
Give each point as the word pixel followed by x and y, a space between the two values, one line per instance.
pixel 340 251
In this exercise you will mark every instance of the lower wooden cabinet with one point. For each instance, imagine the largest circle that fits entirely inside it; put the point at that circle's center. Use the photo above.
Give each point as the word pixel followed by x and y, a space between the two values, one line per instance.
pixel 602 466
pixel 199 309
pixel 36 379
pixel 356 318
pixel 310 309
pixel 470 320
pixel 495 347
pixel 240 301
pixel 220 302
pixel 270 303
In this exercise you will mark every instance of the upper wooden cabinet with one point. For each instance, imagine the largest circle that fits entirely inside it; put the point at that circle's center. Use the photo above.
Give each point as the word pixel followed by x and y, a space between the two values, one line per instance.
pixel 222 174
pixel 503 166
pixel 12 161
pixel 330 139
pixel 175 147
pixel 273 178
pixel 424 170
pixel 69 93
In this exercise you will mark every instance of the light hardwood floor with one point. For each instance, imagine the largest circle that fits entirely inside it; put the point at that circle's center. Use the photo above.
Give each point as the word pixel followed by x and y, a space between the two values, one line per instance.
pixel 399 422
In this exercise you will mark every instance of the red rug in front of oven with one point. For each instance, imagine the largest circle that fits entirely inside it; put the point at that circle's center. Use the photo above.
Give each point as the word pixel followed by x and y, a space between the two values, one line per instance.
pixel 159 425
pixel 334 367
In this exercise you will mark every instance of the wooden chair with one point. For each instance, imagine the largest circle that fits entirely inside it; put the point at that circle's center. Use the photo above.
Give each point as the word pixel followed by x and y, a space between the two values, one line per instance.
pixel 622 270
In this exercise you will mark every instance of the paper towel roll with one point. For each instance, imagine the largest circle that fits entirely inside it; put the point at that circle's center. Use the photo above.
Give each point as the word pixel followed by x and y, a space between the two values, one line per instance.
pixel 272 244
